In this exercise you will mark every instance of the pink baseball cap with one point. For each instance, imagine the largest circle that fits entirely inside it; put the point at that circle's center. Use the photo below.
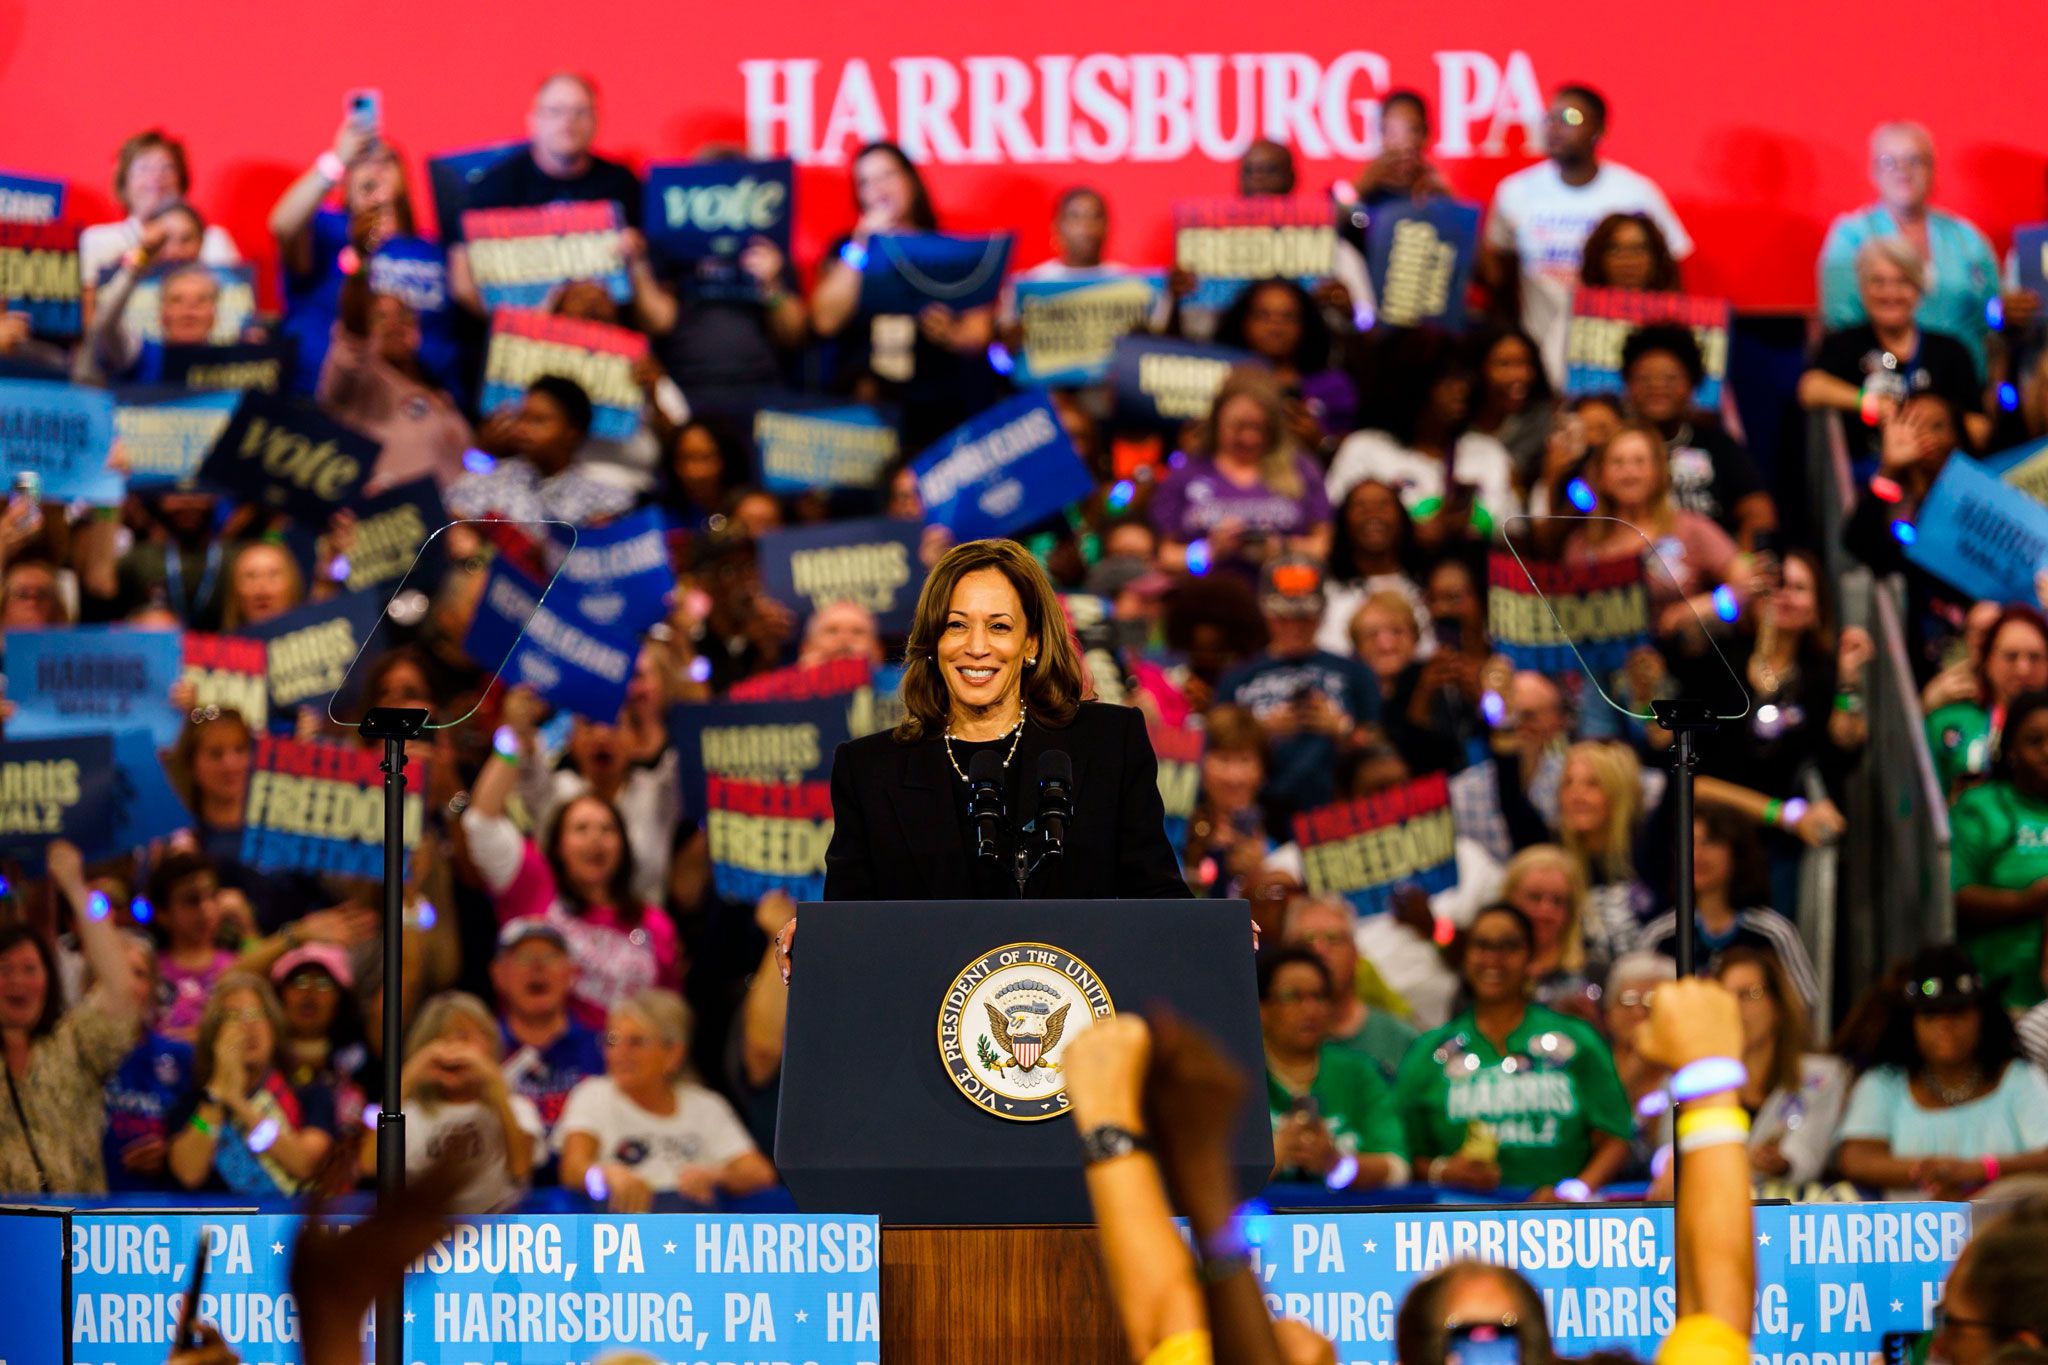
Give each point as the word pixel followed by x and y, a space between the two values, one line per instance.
pixel 329 957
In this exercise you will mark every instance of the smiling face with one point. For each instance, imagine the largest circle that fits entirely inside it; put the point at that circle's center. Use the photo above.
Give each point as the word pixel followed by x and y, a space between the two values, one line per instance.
pixel 589 845
pixel 1628 258
pixel 841 630
pixel 1544 894
pixel 242 1012
pixel 1629 473
pixel 1497 954
pixel 24 987
pixel 1510 373
pixel 1272 323
pixel 1582 805
pixel 311 998
pixel 1752 992
pixel 32 600
pixel 1386 638
pixel 636 1056
pixel 152 182
pixel 1231 778
pixel 1243 431
pixel 187 306
pixel 1797 600
pixel 1326 931
pixel 1373 515
pixel 1890 295
pixel 220 763
pixel 532 979
pixel 984 642
pixel 1659 389
pixel 2016 662
pixel 1902 169
pixel 882 186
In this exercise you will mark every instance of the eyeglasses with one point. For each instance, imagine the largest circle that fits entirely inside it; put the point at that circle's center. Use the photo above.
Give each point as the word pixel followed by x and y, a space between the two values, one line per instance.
pixel 1752 994
pixel 1316 936
pixel 627 1040
pixel 1912 161
pixel 243 1016
pixel 1301 997
pixel 1944 1320
pixel 320 982
pixel 1635 1000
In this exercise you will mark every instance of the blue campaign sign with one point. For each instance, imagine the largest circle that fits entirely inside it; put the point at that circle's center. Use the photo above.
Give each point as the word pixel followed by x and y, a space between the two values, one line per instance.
pixel 29 199
pixel 2030 255
pixel 34 1247
pixel 413 269
pixel 905 271
pixel 150 809
pixel 1008 468
pixel 872 562
pixel 1831 1278
pixel 758 775
pixel 1420 254
pixel 1070 326
pixel 1161 382
pixel 63 433
pixel 714 208
pixel 562 655
pixel 166 433
pixel 310 649
pixel 619 575
pixel 1974 535
pixel 845 445
pixel 59 789
pixel 93 679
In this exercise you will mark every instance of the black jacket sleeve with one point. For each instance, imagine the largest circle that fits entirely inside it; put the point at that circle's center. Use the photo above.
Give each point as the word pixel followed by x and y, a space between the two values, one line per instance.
pixel 1146 866
pixel 849 870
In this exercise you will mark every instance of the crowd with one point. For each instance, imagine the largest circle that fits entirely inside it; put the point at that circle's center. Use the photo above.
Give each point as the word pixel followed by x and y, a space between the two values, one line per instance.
pixel 1302 576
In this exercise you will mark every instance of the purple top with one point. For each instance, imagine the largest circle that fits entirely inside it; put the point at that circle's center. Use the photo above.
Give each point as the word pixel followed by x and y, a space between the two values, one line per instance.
pixel 1196 497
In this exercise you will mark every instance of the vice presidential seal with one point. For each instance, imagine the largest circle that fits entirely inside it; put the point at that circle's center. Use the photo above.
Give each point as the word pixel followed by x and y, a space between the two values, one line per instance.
pixel 1004 1019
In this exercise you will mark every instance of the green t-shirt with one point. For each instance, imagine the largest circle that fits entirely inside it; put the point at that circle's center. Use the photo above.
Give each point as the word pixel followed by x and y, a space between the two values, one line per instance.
pixel 1999 839
pixel 1384 1041
pixel 1353 1100
pixel 1960 736
pixel 1543 1112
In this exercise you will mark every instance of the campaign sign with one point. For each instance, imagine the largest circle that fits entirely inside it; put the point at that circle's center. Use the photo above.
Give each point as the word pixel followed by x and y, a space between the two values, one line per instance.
pixel 166 433
pixel 761 775
pixel 619 575
pixel 62 433
pixel 288 454
pixel 148 810
pixel 412 269
pixel 906 271
pixel 518 256
pixel 526 345
pixel 231 314
pixel 843 446
pixel 1974 535
pixel 66 788
pixel 566 658
pixel 1831 1280
pixel 2024 466
pixel 308 650
pixel 1365 849
pixel 318 806
pixel 1603 607
pixel 805 682
pixel 230 673
pixel 2030 256
pixel 1179 752
pixel 1601 320
pixel 1070 326
pixel 702 214
pixel 1007 468
pixel 265 366
pixel 34 1246
pixel 452 176
pixel 1161 382
pixel 39 276
pixel 391 529
pixel 1420 253
pixel 28 199
pixel 93 679
pixel 1227 243
pixel 873 563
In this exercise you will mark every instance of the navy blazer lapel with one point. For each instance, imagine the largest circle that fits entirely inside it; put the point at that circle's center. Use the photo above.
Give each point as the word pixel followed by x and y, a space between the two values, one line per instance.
pixel 924 796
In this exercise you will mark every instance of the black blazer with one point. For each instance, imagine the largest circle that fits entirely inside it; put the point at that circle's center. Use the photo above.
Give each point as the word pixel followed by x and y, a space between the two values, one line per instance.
pixel 897 829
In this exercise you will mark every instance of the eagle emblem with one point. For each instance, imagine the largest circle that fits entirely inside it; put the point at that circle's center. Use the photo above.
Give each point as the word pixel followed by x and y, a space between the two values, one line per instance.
pixel 1028 1036
pixel 1003 1019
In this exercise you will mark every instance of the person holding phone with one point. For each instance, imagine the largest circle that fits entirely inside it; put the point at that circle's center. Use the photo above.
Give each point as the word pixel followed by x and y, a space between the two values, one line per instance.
pixel 1333 1116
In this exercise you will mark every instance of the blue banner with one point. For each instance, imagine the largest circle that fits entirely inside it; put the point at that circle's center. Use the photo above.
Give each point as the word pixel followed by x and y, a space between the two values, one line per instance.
pixel 563 656
pixel 1974 535
pixel 759 774
pixel 59 789
pixel 843 446
pixel 873 563
pixel 1009 468
pixel 453 175
pixel 265 366
pixel 618 576
pixel 93 679
pixel 1420 253
pixel 415 270
pixel 702 214
pixel 29 199
pixel 309 650
pixel 2030 256
pixel 1070 326
pixel 290 456
pixel 1160 382
pixel 905 271
pixel 63 433
pixel 33 1247
pixel 166 433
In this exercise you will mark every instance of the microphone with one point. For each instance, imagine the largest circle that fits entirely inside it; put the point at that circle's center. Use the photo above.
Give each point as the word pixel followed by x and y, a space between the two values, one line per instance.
pixel 1055 798
pixel 985 800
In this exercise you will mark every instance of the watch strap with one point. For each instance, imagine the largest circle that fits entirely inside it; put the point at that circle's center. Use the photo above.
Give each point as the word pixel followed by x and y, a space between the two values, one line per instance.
pixel 1107 1141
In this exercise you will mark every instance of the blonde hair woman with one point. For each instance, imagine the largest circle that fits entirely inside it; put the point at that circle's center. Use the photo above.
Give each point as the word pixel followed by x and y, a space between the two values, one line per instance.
pixel 1548 885
pixel 456 1100
pixel 1599 810
pixel 1250 491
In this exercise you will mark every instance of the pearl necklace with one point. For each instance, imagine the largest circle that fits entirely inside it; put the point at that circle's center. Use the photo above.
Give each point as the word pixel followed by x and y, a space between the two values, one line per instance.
pixel 1018 732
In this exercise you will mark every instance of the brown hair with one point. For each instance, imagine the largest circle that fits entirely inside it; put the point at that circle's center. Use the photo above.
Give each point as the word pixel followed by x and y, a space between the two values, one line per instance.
pixel 178 768
pixel 1794 1029
pixel 1233 729
pixel 1278 468
pixel 231 610
pixel 1663 266
pixel 216 1016
pixel 1051 689
pixel 1421 1334
pixel 149 140
pixel 1662 511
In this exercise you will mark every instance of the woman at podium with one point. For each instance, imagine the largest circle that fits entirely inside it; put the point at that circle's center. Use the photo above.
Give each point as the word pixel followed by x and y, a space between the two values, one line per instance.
pixel 965 798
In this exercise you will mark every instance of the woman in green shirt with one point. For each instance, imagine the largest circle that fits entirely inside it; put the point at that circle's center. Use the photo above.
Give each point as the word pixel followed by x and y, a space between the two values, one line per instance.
pixel 1998 859
pixel 1964 734
pixel 1333 1116
pixel 1510 1093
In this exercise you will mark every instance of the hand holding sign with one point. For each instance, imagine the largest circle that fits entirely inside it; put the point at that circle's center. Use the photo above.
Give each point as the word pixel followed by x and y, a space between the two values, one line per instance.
pixel 291 455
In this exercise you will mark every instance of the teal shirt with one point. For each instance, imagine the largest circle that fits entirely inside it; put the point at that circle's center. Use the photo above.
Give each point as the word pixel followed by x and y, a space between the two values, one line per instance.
pixel 1962 275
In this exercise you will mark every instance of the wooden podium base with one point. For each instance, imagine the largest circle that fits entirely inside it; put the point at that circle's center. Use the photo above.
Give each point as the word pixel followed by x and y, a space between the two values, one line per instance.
pixel 996 1296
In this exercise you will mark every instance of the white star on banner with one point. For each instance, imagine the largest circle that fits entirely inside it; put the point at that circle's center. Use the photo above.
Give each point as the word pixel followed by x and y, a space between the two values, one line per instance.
pixel 277 1248
pixel 802 1316
pixel 1763 1239
pixel 668 1248
pixel 1371 1247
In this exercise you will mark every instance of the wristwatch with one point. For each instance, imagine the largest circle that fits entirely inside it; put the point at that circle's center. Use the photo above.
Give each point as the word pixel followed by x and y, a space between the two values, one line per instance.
pixel 1107 1141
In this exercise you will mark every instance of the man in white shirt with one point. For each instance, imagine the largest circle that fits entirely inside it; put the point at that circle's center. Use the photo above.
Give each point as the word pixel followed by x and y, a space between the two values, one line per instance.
pixel 1542 215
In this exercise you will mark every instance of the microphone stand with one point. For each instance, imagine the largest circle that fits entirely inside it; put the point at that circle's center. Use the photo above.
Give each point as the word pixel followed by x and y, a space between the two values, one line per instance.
pixel 1686 720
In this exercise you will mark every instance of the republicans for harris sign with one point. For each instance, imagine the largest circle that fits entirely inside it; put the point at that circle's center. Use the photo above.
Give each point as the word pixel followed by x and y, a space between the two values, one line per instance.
pixel 1005 470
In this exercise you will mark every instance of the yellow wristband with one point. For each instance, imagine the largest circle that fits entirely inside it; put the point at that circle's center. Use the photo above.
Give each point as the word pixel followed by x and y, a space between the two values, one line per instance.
pixel 1714 1135
pixel 1721 1115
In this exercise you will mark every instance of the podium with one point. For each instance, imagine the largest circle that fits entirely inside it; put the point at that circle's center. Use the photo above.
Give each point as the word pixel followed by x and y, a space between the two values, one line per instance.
pixel 904 1096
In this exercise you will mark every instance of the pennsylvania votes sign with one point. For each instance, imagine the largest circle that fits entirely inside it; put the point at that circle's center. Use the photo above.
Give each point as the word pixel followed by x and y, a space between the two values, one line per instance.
pixel 166 433
pixel 846 445
pixel 1366 849
pixel 1070 325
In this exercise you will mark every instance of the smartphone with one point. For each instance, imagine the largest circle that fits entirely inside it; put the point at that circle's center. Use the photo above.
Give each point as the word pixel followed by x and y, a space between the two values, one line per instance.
pixel 1305 1106
pixel 1904 1348
pixel 1483 1343
pixel 366 111
pixel 1449 632
pixel 188 1314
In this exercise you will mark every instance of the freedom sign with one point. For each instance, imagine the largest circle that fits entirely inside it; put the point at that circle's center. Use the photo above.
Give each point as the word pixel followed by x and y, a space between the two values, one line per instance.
pixel 1228 243
pixel 230 673
pixel 526 345
pixel 1366 849
pixel 1008 468
pixel 519 256
pixel 873 563
pixel 549 647
pixel 290 456
pixel 846 445
pixel 1070 326
pixel 93 679
pixel 703 214
pixel 63 433
pixel 1420 254
pixel 1161 382
pixel 319 807
pixel 1600 323
pixel 1603 607
pixel 39 276
pixel 760 774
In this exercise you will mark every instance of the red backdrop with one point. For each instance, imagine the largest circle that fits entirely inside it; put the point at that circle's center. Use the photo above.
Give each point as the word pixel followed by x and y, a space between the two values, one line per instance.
pixel 1752 113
